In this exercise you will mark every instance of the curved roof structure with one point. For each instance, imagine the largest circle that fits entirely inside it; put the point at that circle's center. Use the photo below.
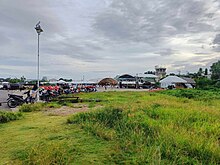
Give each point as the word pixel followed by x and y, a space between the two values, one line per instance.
pixel 189 80
pixel 164 83
pixel 173 79
pixel 108 81
pixel 126 76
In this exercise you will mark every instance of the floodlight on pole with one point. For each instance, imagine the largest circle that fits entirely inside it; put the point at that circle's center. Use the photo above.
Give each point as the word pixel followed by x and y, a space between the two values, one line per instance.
pixel 38 30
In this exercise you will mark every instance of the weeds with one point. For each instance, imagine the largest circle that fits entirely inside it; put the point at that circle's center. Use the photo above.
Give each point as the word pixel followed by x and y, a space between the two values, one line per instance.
pixel 9 116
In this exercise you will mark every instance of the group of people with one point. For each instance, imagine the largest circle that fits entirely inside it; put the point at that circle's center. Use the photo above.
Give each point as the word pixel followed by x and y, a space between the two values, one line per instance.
pixel 45 92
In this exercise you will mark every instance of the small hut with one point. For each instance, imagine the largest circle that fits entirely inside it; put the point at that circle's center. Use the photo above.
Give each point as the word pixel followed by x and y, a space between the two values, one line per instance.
pixel 108 81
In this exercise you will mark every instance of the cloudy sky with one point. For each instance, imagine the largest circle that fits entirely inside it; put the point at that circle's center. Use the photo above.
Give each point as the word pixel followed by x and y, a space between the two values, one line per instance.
pixel 104 38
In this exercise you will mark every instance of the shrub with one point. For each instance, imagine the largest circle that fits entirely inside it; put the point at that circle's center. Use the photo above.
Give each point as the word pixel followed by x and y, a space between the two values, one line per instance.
pixel 204 83
pixel 9 116
pixel 217 84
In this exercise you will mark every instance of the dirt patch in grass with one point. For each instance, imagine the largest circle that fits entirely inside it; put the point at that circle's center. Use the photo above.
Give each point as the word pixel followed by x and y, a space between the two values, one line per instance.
pixel 67 110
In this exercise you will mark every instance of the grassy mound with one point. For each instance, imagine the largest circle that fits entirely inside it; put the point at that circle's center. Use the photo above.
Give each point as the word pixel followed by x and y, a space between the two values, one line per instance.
pixel 156 130
pixel 9 116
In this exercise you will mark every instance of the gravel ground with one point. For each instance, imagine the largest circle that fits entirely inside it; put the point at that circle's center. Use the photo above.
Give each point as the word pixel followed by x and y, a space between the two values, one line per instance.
pixel 63 111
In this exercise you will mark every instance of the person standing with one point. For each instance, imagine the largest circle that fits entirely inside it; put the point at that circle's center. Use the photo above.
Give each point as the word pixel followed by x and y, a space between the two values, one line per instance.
pixel 34 92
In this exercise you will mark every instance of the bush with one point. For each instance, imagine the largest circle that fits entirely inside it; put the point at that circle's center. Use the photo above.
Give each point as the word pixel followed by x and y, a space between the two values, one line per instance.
pixel 9 116
pixel 204 83
pixel 217 84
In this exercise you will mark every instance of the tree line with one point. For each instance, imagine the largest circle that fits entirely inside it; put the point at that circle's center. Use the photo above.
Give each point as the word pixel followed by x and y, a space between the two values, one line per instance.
pixel 208 81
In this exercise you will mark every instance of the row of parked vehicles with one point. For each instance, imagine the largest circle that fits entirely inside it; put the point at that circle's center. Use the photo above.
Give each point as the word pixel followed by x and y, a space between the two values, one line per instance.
pixel 11 86
pixel 46 93
pixel 15 100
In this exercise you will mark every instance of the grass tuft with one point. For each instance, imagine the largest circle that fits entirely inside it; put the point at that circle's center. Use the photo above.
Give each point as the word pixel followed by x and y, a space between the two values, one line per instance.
pixel 52 153
pixel 31 107
pixel 9 116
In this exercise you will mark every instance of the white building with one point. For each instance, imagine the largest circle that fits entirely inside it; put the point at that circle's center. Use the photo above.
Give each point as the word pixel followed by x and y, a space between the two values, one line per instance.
pixel 173 81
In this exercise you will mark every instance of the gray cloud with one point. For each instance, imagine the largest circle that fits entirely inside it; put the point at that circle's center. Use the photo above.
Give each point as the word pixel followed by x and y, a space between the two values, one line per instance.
pixel 202 53
pixel 217 39
pixel 124 36
pixel 150 21
pixel 216 43
pixel 166 52
pixel 4 40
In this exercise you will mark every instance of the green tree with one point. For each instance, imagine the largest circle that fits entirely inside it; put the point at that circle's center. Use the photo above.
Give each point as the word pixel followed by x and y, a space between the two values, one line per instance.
pixel 200 72
pixel 14 80
pixel 206 71
pixel 23 79
pixel 204 83
pixel 215 69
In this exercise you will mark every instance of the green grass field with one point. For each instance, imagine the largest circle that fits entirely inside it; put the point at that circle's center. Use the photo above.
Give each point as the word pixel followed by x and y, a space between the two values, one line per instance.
pixel 124 128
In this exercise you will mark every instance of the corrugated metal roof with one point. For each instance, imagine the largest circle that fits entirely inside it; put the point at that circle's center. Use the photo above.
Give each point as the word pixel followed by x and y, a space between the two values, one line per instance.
pixel 173 79
pixel 150 76
pixel 189 80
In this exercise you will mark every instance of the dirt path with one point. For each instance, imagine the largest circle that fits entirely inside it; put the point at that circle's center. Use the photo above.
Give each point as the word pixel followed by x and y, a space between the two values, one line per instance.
pixel 65 110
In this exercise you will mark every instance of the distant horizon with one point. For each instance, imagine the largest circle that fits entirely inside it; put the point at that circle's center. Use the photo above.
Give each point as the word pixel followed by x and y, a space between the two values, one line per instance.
pixel 134 74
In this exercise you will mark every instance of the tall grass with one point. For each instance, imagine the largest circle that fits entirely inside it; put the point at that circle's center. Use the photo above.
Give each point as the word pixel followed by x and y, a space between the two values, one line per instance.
pixel 128 128
pixel 31 107
pixel 152 129
pixel 9 116
pixel 194 94
pixel 39 106
pixel 46 153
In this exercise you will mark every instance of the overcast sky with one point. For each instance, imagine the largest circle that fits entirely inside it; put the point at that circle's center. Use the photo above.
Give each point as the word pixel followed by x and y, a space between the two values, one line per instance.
pixel 105 38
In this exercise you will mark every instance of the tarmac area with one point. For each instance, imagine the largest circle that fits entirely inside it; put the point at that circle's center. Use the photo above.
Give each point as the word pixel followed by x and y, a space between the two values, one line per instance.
pixel 108 88
pixel 4 97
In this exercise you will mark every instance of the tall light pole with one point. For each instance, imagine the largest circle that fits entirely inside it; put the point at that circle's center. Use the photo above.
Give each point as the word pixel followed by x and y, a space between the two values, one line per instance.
pixel 39 30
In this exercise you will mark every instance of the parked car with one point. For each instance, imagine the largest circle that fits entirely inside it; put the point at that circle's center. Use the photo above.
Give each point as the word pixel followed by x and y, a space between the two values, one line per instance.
pixel 6 85
pixel 15 86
